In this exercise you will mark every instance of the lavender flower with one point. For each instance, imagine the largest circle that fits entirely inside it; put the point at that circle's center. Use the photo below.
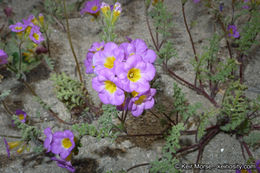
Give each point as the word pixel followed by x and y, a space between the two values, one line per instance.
pixel 232 29
pixel 21 115
pixel 141 48
pixel 18 27
pixel 91 7
pixel 36 35
pixel 64 164
pixel 106 59
pixel 3 57
pixel 95 47
pixel 63 143
pixel 135 74
pixel 106 86
pixel 48 140
pixel 139 102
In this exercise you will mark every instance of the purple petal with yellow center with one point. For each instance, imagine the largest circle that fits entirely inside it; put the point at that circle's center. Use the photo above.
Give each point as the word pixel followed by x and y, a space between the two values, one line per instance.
pixel 141 102
pixel 35 35
pixel 106 86
pixel 21 115
pixel 106 58
pixel 91 7
pixel 63 143
pixel 18 27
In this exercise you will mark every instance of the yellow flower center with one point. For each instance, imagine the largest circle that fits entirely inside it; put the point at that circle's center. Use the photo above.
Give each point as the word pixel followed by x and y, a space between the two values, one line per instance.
pixel 231 31
pixel 66 143
pixel 244 171
pixel 134 93
pixel 140 100
pixel 109 62
pixel 94 8
pixel 110 86
pixel 18 28
pixel 36 36
pixel 99 48
pixel 21 116
pixel 131 54
pixel 134 74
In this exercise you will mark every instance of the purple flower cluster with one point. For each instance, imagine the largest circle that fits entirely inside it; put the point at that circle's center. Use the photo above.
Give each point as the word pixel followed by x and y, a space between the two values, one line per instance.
pixel 3 57
pixel 31 27
pixel 62 144
pixel 123 73
pixel 232 31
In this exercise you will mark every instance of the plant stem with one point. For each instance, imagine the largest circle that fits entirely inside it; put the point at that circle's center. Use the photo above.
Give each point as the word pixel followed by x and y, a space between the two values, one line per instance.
pixel 20 57
pixel 71 45
pixel 150 31
pixel 191 86
pixel 136 166
pixel 7 109
pixel 192 44
pixel 10 136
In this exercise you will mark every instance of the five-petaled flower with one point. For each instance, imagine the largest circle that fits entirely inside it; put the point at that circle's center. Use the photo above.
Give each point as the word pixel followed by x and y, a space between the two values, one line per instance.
pixel 140 102
pixel 36 35
pixel 62 143
pixel 135 74
pixel 91 7
pixel 232 31
pixel 3 57
pixel 21 115
pixel 106 58
pixel 18 27
pixel 106 84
